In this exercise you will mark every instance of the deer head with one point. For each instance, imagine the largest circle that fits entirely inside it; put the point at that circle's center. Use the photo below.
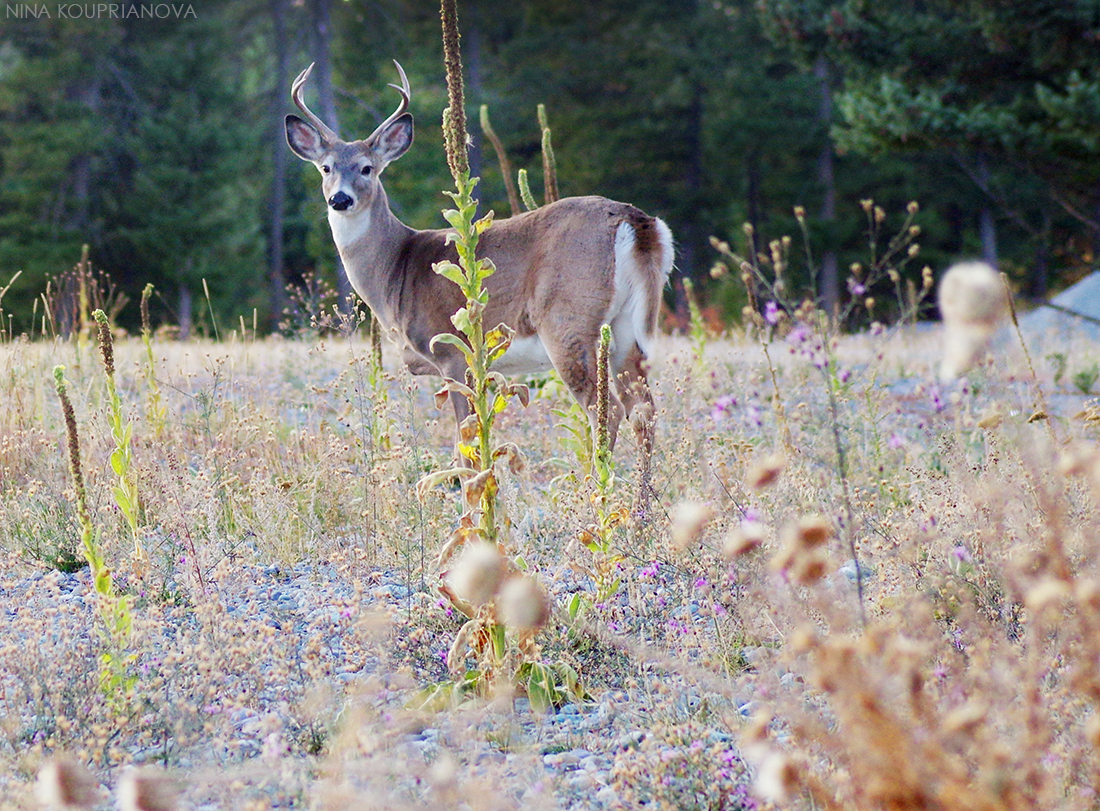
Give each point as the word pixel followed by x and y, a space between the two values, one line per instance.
pixel 349 169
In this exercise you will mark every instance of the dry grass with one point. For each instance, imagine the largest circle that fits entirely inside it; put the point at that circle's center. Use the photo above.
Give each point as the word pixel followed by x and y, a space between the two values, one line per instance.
pixel 973 683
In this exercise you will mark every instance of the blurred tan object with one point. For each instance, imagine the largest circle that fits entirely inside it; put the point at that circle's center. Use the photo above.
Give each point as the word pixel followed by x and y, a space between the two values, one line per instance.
pixel 972 303
pixel 64 783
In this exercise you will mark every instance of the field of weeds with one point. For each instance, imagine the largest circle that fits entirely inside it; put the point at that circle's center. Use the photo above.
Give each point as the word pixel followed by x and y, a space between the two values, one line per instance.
pixel 854 586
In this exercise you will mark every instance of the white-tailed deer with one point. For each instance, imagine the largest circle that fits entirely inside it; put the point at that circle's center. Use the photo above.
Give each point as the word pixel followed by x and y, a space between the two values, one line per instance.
pixel 562 271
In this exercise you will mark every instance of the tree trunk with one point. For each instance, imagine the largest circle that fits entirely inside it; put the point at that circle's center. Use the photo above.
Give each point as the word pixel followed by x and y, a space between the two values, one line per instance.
pixel 828 282
pixel 987 226
pixel 185 312
pixel 691 241
pixel 1037 279
pixel 322 49
pixel 753 203
pixel 277 202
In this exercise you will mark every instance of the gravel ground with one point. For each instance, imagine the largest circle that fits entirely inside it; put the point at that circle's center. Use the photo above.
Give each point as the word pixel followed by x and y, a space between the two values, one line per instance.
pixel 564 759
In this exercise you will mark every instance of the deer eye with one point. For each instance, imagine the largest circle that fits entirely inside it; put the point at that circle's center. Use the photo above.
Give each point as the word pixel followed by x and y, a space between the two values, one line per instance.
pixel 365 171
pixel 326 169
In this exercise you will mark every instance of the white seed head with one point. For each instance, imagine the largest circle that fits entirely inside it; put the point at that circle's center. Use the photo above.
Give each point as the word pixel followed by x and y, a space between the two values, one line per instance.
pixel 523 605
pixel 972 303
pixel 479 573
pixel 776 778
pixel 689 519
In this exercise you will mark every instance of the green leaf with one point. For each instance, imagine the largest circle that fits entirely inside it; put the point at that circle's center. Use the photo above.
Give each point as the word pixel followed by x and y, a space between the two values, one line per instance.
pixel 123 501
pixel 118 462
pixel 496 634
pixel 453 340
pixel 103 581
pixel 451 271
pixel 461 320
pixel 483 224
pixel 540 688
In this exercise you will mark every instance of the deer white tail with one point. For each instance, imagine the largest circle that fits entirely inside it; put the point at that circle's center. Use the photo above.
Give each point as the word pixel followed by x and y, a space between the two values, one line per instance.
pixel 643 262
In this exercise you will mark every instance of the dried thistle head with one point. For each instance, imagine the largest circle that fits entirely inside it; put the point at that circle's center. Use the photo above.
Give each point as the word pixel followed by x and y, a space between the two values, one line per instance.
pixel 479 573
pixel 742 539
pixel 64 783
pixel 812 531
pixel 766 471
pixel 523 605
pixel 802 557
pixel 147 790
pixel 972 303
pixel 689 519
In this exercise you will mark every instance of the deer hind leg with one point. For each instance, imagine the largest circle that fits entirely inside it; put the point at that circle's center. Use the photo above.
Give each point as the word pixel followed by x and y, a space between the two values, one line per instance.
pixel 637 399
pixel 575 360
pixel 634 391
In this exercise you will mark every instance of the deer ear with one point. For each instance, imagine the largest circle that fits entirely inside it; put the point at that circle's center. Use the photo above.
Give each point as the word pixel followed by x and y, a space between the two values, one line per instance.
pixel 394 141
pixel 304 139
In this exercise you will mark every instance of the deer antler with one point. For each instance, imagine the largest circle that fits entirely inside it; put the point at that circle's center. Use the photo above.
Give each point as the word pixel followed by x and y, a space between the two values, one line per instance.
pixel 402 107
pixel 296 94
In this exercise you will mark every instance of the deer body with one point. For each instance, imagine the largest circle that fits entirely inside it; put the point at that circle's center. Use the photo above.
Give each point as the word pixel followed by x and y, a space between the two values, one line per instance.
pixel 562 271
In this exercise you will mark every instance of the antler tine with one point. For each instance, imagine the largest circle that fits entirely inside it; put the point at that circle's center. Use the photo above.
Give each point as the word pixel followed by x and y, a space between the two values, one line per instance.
pixel 403 106
pixel 296 94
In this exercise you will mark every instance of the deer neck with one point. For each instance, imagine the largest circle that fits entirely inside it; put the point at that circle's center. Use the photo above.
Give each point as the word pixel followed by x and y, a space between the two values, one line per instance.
pixel 370 242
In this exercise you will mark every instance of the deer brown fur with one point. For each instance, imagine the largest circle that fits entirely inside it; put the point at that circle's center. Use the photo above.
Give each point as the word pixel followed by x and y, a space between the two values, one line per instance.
pixel 562 271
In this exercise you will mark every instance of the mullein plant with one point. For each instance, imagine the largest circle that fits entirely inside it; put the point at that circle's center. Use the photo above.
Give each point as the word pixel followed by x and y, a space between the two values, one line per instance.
pixel 598 537
pixel 155 409
pixel 488 392
pixel 484 585
pixel 115 679
pixel 122 457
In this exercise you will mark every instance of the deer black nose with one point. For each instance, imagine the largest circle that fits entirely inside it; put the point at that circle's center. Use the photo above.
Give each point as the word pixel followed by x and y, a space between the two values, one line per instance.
pixel 341 201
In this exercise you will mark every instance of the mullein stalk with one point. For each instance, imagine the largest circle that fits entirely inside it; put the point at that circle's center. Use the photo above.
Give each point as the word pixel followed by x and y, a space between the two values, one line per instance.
pixel 155 409
pixel 122 457
pixel 607 517
pixel 529 201
pixel 502 159
pixel 549 162
pixel 114 676
pixel 601 449
pixel 454 117
pixel 697 324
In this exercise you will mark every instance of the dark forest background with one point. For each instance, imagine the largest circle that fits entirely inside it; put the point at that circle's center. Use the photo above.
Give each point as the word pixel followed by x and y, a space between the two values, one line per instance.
pixel 159 142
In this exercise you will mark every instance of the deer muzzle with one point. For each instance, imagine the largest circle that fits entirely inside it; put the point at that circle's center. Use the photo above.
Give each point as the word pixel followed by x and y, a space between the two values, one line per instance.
pixel 341 201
